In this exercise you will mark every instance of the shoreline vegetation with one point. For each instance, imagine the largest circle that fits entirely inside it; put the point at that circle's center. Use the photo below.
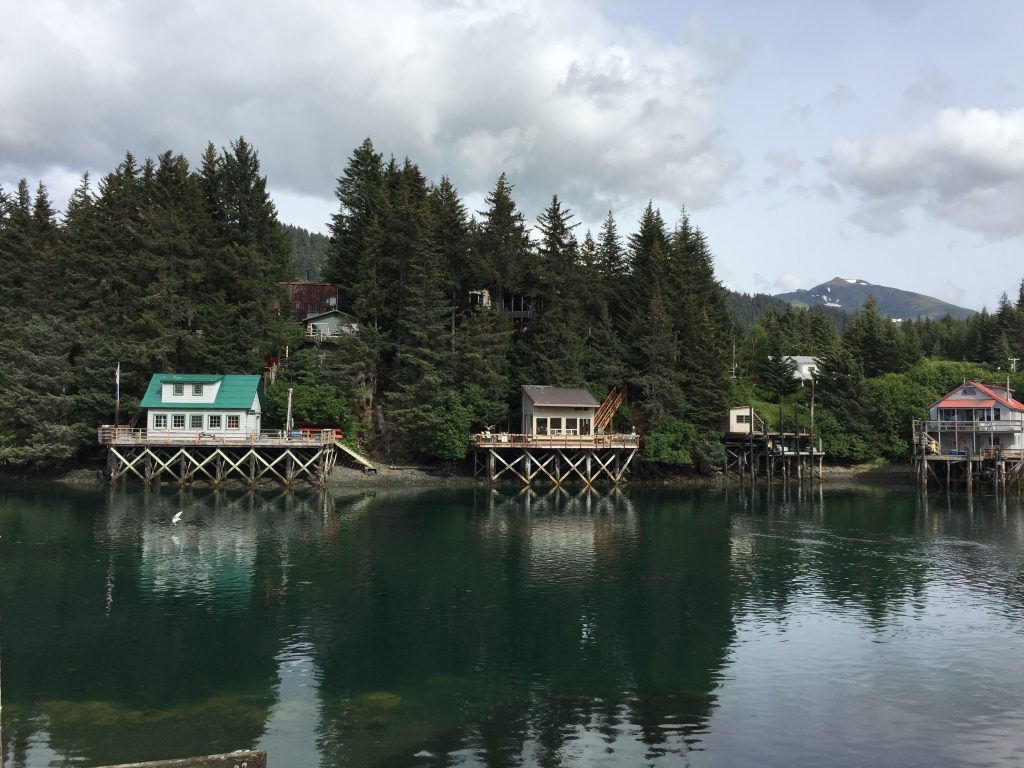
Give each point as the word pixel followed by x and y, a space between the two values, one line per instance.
pixel 166 267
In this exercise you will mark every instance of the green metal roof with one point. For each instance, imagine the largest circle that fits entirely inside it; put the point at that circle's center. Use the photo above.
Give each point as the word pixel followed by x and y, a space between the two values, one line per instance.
pixel 235 393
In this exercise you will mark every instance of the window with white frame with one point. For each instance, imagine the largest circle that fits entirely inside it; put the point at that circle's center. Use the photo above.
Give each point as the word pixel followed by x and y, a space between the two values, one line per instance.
pixel 160 421
pixel 178 421
pixel 197 390
pixel 213 421
pixel 178 390
pixel 195 421
pixel 232 422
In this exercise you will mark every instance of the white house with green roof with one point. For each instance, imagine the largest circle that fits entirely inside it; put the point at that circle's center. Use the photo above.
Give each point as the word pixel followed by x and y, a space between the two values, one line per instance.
pixel 211 404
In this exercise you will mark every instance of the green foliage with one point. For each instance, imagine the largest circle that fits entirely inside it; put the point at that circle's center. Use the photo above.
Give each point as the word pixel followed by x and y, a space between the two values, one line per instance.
pixel 312 403
pixel 672 442
pixel 450 428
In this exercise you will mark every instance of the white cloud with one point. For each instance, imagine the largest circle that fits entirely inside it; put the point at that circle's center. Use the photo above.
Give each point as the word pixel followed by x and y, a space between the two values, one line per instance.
pixel 965 167
pixel 554 93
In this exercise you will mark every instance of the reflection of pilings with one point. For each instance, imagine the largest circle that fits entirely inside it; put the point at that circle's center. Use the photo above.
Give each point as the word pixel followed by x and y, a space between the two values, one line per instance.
pixel 560 500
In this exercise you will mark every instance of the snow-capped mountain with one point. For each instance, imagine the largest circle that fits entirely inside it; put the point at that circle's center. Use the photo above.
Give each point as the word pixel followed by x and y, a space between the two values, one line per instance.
pixel 850 294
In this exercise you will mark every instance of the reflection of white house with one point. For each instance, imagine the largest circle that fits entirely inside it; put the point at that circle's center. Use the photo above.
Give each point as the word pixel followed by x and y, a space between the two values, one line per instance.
pixel 329 325
pixel 214 561
pixel 557 410
pixel 194 403
pixel 975 416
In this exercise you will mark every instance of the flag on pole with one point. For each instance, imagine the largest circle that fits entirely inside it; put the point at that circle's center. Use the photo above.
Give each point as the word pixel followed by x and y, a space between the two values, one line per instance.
pixel 117 382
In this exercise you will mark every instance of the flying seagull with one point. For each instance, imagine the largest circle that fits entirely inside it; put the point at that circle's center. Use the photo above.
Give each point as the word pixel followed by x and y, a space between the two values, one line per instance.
pixel 177 517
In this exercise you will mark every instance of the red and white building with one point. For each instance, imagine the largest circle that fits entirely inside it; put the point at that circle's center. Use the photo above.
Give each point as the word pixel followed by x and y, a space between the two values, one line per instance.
pixel 974 417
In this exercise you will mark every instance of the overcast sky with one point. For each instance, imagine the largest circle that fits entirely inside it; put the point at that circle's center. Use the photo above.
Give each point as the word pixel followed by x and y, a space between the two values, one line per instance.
pixel 872 139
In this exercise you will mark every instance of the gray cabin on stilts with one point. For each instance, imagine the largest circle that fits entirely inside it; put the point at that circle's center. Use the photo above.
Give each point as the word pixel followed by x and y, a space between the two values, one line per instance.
pixel 562 438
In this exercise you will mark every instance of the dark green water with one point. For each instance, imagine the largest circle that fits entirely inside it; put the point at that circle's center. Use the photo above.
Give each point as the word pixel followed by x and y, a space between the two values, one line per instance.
pixel 463 628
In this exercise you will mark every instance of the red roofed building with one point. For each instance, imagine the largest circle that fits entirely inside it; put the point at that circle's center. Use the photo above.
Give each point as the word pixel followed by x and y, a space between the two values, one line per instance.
pixel 976 416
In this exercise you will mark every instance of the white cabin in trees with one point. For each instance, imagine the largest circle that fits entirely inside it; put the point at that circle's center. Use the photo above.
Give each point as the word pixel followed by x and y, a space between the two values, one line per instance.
pixel 557 410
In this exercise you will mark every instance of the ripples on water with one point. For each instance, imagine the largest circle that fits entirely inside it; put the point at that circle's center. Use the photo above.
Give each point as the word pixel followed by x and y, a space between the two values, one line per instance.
pixel 501 628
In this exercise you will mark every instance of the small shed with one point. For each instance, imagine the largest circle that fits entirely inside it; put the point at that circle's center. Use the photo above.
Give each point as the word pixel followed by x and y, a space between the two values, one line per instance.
pixel 214 404
pixel 309 299
pixel 557 410
pixel 741 419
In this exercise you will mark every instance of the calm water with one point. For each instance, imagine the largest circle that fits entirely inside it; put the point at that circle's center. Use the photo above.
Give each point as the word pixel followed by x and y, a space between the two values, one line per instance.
pixel 475 629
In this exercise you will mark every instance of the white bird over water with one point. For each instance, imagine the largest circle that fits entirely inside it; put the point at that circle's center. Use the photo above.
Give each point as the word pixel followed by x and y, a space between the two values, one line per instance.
pixel 177 517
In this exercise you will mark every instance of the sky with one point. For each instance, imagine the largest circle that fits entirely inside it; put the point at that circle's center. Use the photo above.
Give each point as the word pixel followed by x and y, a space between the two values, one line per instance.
pixel 874 139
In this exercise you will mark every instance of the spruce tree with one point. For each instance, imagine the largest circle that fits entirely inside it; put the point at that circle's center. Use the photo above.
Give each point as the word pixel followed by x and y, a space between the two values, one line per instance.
pixel 555 347
pixel 362 197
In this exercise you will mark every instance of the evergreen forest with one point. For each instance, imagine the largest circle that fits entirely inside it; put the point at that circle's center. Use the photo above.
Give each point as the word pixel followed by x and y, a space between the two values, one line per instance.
pixel 161 266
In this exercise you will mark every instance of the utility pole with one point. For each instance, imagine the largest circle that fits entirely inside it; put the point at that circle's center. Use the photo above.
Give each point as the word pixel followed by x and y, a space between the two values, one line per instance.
pixel 288 418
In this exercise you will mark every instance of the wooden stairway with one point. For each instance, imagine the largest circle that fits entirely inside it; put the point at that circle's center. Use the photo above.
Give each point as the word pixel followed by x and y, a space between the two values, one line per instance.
pixel 608 407
pixel 358 458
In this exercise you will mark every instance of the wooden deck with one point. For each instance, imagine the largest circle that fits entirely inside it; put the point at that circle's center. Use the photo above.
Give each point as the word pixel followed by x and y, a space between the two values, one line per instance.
pixel 507 440
pixel 110 435
pixel 192 456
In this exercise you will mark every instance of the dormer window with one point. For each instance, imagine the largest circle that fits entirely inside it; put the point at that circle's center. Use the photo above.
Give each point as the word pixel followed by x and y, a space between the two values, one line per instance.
pixel 970 391
pixel 197 390
pixel 178 390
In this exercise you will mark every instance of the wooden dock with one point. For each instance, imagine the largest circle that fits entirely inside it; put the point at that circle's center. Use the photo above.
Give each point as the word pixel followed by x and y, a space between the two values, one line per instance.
pixel 188 457
pixel 957 454
pixel 785 455
pixel 555 459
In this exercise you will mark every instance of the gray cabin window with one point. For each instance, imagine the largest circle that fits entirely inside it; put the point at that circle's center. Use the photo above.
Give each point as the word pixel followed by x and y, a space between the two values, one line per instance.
pixel 160 421
pixel 571 425
pixel 584 426
pixel 177 389
pixel 556 425
pixel 197 390
pixel 178 421
pixel 195 421
pixel 232 422
pixel 998 415
pixel 542 425
pixel 213 422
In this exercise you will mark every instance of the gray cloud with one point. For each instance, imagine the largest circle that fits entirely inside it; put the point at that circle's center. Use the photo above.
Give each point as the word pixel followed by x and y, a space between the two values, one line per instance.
pixel 553 93
pixel 965 167
pixel 839 96
pixel 931 87
pixel 785 164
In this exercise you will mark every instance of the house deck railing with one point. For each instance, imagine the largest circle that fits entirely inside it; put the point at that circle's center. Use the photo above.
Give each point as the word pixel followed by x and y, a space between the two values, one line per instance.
pixel 921 427
pixel 111 435
pixel 508 440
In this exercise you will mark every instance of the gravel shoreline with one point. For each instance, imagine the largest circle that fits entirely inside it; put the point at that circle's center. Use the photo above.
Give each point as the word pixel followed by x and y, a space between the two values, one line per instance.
pixel 406 476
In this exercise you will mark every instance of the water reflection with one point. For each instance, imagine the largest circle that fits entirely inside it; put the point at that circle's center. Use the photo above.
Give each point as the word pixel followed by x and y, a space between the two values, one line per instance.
pixel 487 627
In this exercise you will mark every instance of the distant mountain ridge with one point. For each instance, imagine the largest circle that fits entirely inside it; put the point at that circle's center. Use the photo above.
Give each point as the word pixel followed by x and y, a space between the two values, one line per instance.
pixel 851 294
